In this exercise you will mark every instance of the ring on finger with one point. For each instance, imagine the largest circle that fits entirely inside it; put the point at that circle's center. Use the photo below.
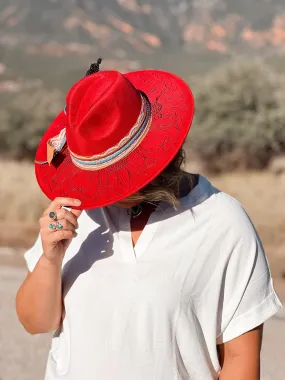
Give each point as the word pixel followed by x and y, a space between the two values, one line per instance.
pixel 59 226
pixel 52 226
pixel 52 215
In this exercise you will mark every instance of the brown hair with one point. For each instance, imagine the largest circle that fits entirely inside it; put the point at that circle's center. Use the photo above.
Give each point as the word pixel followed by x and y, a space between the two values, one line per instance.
pixel 167 185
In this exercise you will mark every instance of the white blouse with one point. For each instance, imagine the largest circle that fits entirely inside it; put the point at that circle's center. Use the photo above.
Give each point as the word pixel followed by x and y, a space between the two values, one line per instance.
pixel 197 277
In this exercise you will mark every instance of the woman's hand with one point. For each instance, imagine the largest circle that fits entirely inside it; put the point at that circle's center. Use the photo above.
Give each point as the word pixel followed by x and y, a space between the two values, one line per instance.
pixel 56 242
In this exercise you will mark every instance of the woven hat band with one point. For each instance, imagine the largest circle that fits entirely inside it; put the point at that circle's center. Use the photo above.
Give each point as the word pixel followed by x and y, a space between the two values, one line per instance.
pixel 113 154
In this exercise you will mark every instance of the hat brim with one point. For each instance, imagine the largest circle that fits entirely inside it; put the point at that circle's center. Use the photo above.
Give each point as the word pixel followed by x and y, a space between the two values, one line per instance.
pixel 172 114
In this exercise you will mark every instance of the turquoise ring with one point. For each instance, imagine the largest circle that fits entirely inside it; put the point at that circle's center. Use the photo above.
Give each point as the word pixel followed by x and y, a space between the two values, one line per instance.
pixel 52 226
pixel 59 226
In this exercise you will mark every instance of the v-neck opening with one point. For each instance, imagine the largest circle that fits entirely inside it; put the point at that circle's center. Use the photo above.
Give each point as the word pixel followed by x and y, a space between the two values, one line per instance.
pixel 135 252
pixel 150 221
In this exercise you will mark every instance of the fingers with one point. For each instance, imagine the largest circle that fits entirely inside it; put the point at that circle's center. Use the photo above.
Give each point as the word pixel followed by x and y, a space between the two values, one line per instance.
pixel 59 202
pixel 67 219
pixel 69 223
pixel 66 225
pixel 56 236
pixel 68 215
pixel 77 213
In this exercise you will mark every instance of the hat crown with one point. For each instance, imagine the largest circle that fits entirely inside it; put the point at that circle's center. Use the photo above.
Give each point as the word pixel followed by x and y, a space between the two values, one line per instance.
pixel 101 109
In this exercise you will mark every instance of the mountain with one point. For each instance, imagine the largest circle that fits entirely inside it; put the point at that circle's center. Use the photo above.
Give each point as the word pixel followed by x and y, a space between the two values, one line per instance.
pixel 56 39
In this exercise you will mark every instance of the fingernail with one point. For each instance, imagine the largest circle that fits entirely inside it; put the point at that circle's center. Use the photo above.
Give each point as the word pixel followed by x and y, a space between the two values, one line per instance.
pixel 77 202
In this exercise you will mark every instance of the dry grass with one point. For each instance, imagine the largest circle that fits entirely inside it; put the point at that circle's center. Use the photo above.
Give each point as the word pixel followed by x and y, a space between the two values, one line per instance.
pixel 263 196
pixel 22 203
pixel 20 196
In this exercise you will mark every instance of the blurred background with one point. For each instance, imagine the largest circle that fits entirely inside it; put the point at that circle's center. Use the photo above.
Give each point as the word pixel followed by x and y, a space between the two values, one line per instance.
pixel 231 52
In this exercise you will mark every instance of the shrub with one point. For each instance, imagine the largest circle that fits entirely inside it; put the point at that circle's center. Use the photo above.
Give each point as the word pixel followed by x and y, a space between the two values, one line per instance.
pixel 240 117
pixel 24 120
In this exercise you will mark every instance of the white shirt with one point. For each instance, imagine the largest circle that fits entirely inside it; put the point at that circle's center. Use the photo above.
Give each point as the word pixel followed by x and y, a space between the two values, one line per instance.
pixel 198 276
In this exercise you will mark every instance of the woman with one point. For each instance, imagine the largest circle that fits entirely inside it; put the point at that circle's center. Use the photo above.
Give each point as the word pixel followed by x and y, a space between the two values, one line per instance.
pixel 166 277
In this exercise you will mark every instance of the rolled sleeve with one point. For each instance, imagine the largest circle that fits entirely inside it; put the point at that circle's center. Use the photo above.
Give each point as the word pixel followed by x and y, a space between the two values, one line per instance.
pixel 259 305
pixel 247 293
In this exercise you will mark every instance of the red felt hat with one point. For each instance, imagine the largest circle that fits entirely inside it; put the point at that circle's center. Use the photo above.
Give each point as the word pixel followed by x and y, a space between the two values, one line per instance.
pixel 115 135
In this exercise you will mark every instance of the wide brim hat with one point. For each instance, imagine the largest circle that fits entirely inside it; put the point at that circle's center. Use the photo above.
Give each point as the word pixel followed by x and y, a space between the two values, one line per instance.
pixel 116 133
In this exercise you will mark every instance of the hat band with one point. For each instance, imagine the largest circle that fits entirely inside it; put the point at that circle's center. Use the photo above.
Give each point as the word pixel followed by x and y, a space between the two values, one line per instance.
pixel 113 154
pixel 143 115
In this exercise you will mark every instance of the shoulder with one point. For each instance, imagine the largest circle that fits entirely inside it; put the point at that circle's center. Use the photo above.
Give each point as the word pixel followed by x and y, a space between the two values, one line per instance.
pixel 223 207
pixel 222 214
pixel 237 234
pixel 229 209
pixel 232 238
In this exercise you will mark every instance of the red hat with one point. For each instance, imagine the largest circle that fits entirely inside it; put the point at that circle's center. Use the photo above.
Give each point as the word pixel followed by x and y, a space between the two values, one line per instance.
pixel 115 135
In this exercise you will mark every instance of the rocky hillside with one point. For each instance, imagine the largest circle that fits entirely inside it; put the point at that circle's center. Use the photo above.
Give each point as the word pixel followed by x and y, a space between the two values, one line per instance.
pixel 64 34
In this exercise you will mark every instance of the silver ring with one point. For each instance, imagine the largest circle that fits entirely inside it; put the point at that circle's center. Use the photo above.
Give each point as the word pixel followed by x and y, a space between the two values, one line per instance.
pixel 52 215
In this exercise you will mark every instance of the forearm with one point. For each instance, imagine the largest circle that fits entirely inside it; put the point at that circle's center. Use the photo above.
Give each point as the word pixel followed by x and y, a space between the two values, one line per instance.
pixel 39 299
pixel 240 368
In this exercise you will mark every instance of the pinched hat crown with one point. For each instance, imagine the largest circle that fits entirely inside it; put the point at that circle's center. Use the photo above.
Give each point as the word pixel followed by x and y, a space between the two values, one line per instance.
pixel 101 109
pixel 107 117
